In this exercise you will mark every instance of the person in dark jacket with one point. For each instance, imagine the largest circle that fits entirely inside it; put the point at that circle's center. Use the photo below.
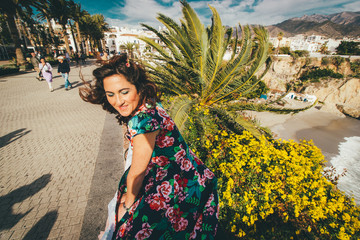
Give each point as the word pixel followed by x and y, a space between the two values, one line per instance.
pixel 64 69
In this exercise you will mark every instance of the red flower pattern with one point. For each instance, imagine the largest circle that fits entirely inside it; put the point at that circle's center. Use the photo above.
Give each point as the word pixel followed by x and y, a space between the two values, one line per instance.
pixel 186 165
pixel 160 161
pixel 164 141
pixel 144 233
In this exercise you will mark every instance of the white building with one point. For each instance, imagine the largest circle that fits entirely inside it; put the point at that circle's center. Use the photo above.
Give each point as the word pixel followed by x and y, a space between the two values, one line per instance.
pixel 117 37
pixel 311 43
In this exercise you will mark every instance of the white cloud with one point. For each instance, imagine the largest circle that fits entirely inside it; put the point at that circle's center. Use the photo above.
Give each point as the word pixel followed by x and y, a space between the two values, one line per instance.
pixel 146 11
pixel 232 12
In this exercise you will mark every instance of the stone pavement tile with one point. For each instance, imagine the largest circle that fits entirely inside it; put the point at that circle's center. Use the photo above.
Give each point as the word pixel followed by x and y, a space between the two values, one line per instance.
pixel 49 143
pixel 18 234
pixel 6 235
pixel 54 234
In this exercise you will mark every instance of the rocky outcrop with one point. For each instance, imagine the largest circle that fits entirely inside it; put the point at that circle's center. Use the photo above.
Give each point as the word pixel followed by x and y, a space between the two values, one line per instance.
pixel 343 95
pixel 282 71
pixel 338 96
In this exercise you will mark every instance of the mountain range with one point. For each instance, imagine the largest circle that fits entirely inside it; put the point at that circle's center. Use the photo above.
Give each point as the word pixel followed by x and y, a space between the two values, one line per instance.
pixel 338 25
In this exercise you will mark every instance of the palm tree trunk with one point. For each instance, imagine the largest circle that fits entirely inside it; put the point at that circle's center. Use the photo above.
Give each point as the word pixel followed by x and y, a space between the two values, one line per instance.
pixel 79 36
pixel 87 41
pixel 30 37
pixel 75 41
pixel 51 30
pixel 16 38
pixel 66 39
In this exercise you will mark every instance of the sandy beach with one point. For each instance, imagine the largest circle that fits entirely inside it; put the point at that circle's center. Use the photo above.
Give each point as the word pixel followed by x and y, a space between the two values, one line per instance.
pixel 326 130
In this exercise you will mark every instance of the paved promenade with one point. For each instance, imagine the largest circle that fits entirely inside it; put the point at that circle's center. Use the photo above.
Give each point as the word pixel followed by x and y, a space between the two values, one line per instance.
pixel 60 159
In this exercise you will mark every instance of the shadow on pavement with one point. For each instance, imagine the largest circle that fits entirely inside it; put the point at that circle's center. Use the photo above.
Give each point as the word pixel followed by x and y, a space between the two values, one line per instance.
pixel 13 136
pixel 7 218
pixel 42 228
pixel 73 84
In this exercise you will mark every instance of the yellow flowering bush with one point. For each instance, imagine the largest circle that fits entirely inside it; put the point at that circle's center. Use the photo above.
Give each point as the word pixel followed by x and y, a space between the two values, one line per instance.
pixel 276 190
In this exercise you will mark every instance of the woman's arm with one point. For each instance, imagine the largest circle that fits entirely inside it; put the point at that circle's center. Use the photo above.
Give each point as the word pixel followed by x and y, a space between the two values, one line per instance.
pixel 143 147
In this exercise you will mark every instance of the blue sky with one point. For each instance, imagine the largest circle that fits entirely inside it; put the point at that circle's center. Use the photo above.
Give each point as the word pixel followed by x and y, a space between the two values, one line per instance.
pixel 129 13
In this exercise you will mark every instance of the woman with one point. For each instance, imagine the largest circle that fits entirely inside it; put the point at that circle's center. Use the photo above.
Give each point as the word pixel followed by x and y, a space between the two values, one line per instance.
pixel 167 192
pixel 46 71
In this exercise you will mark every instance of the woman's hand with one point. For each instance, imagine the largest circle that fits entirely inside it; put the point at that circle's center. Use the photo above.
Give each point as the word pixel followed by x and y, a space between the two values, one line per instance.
pixel 123 197
pixel 121 211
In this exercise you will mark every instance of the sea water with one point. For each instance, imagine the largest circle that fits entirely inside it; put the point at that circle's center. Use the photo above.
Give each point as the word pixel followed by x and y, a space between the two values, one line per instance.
pixel 349 159
pixel 339 142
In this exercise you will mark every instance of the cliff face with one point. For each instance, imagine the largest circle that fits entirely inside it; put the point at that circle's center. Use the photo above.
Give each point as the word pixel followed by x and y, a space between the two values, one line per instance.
pixel 338 96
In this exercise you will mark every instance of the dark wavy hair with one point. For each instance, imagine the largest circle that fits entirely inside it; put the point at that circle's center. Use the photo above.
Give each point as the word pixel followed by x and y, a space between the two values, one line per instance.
pixel 134 72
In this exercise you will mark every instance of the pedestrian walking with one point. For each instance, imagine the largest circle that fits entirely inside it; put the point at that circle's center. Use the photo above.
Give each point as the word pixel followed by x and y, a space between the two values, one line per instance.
pixel 35 62
pixel 64 69
pixel 46 71
pixel 167 192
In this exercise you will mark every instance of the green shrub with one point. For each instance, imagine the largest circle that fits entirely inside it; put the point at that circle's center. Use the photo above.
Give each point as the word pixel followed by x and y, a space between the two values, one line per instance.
pixel 8 69
pixel 284 50
pixel 337 61
pixel 355 67
pixel 317 74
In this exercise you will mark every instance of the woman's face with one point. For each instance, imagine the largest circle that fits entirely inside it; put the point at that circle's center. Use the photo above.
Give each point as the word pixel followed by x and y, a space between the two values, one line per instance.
pixel 42 61
pixel 121 94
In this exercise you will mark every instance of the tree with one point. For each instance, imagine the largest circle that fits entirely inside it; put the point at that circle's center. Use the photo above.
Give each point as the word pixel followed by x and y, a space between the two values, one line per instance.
pixel 76 15
pixel 60 11
pixel 191 65
pixel 93 28
pixel 98 32
pixel 324 48
pixel 337 61
pixel 10 8
pixel 129 47
pixel 86 24
pixel 348 48
pixel 5 37
pixel 44 14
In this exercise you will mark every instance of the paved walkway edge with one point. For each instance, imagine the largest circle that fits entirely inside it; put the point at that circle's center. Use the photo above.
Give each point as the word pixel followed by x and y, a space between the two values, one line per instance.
pixel 108 170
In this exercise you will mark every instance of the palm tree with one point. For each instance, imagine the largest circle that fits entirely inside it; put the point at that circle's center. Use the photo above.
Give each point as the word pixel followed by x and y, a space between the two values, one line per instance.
pixel 10 8
pixel 129 47
pixel 93 28
pixel 98 33
pixel 76 15
pixel 191 65
pixel 44 14
pixel 86 25
pixel 31 29
pixel 60 11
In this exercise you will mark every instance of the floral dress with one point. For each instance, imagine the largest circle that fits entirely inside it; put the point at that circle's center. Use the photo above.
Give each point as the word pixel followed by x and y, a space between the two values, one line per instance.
pixel 179 197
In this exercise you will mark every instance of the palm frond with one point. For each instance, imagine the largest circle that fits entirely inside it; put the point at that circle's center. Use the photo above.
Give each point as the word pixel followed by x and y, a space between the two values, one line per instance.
pixel 217 52
pixel 177 35
pixel 197 36
pixel 179 110
pixel 259 58
pixel 227 75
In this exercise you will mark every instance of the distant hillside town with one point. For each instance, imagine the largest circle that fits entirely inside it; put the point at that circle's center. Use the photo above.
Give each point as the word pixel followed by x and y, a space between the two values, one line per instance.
pixel 117 38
